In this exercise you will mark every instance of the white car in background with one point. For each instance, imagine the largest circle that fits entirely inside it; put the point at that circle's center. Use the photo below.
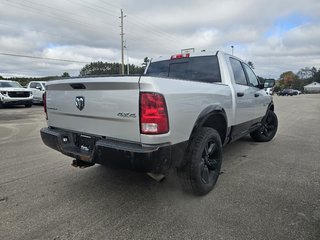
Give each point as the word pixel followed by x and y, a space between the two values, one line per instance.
pixel 38 89
pixel 296 92
pixel 12 93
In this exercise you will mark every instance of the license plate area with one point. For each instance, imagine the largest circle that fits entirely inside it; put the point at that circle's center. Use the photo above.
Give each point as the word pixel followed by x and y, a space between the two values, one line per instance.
pixel 85 143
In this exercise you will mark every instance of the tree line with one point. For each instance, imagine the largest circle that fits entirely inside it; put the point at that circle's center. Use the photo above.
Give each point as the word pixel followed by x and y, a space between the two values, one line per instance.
pixel 94 68
pixel 287 79
pixel 105 68
pixel 25 80
pixel 298 80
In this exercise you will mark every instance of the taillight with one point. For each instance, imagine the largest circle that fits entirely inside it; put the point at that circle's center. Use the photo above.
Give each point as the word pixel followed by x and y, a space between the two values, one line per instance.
pixel 44 98
pixel 178 56
pixel 153 114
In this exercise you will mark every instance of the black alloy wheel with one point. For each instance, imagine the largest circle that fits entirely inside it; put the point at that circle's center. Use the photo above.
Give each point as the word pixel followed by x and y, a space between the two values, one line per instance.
pixel 268 129
pixel 209 162
pixel 203 162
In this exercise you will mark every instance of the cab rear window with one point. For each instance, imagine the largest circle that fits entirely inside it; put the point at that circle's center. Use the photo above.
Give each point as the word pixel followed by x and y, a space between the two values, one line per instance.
pixel 202 69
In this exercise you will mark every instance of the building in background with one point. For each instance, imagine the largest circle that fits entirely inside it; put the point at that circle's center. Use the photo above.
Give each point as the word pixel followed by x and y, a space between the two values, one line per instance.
pixel 312 88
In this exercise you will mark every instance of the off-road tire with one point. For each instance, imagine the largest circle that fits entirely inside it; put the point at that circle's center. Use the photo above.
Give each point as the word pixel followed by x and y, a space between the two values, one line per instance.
pixel 268 129
pixel 203 162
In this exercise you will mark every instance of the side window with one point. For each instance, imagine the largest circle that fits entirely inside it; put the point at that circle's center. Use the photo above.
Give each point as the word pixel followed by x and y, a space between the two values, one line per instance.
pixel 238 73
pixel 33 85
pixel 253 81
pixel 38 86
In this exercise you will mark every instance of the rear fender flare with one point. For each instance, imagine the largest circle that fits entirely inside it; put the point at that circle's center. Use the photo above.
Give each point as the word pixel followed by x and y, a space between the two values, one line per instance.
pixel 206 114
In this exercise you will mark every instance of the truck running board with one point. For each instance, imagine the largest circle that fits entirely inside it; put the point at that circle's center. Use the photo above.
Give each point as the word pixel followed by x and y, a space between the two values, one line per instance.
pixel 81 164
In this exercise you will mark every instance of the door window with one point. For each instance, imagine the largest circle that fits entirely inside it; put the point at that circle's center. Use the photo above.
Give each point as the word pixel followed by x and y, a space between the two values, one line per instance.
pixel 238 73
pixel 38 86
pixel 253 81
pixel 33 85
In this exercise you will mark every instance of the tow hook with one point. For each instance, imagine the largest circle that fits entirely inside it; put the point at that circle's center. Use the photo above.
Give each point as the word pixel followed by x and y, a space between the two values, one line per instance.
pixel 81 164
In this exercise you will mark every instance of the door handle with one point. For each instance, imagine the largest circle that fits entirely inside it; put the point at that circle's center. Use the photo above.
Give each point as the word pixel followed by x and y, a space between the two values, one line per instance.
pixel 240 94
pixel 256 94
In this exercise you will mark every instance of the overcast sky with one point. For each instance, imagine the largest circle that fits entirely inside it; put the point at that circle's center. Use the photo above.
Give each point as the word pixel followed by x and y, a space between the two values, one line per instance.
pixel 276 35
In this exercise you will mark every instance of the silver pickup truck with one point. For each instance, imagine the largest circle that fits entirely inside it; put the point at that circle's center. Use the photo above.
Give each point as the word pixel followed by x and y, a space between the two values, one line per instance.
pixel 178 114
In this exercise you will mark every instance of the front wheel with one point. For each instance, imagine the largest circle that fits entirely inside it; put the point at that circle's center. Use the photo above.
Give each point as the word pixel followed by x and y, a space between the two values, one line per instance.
pixel 28 105
pixel 204 158
pixel 268 129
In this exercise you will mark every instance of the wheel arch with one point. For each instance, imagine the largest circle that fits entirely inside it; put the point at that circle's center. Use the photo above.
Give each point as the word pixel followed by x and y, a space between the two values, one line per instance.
pixel 214 117
pixel 270 108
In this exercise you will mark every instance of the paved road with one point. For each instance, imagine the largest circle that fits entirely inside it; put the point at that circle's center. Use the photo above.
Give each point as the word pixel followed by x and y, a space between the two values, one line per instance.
pixel 268 190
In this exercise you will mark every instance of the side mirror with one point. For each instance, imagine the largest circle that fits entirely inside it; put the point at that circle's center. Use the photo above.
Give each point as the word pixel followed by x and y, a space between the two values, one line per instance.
pixel 270 83
pixel 39 88
pixel 261 83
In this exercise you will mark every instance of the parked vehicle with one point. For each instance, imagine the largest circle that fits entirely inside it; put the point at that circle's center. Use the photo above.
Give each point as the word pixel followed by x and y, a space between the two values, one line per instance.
pixel 12 93
pixel 296 92
pixel 287 92
pixel 178 115
pixel 38 88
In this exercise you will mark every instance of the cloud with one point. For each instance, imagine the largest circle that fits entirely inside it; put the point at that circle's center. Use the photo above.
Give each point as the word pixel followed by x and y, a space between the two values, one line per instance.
pixel 275 35
pixel 292 50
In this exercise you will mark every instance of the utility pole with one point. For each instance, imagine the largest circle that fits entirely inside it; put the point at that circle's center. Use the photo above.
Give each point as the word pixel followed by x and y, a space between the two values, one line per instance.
pixel 122 45
pixel 128 66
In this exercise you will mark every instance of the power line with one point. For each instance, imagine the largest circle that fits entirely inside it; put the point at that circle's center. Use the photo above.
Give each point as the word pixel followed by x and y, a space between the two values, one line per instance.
pixel 136 22
pixel 53 14
pixel 39 10
pixel 142 23
pixel 94 7
pixel 42 58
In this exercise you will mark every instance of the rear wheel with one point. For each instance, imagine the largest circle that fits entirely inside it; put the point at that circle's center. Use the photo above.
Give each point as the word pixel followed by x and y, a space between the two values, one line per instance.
pixel 268 129
pixel 1 104
pixel 204 158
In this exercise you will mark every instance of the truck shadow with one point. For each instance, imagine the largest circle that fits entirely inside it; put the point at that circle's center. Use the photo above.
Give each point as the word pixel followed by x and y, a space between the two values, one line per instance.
pixel 102 182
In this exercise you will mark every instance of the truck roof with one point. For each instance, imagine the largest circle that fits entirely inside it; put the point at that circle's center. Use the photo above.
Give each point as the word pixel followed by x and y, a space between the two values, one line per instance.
pixel 192 54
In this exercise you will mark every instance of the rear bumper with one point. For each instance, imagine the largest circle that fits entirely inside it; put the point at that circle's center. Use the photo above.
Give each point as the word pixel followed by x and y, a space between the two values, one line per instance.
pixel 117 154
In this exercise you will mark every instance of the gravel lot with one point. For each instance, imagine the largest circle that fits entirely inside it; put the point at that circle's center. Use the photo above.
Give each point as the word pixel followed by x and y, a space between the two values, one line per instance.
pixel 267 191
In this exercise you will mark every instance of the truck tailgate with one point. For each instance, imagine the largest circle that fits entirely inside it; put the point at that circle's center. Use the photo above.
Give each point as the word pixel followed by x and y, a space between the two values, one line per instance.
pixel 103 106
